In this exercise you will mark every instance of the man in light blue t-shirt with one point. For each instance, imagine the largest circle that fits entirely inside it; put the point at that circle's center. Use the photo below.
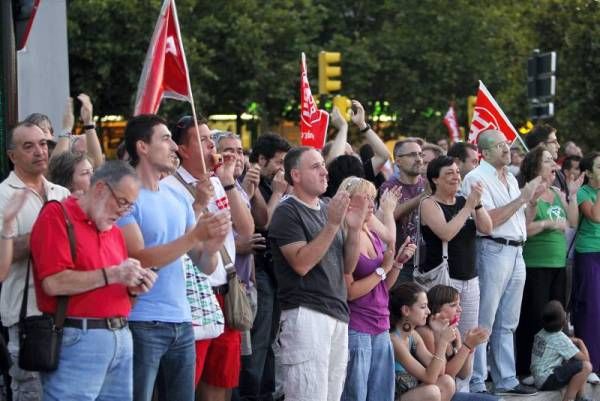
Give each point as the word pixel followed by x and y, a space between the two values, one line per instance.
pixel 159 230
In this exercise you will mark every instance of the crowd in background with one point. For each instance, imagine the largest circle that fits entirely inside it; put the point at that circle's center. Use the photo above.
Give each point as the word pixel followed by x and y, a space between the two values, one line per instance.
pixel 329 247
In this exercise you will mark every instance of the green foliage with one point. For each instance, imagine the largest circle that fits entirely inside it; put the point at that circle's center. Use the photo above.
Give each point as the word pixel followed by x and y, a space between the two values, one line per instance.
pixel 417 56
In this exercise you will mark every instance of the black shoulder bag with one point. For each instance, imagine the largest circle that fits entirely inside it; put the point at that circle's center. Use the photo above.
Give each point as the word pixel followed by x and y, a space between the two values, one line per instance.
pixel 40 337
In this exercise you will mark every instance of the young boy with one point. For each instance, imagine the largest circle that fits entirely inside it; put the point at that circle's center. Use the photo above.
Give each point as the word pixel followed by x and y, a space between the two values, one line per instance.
pixel 557 360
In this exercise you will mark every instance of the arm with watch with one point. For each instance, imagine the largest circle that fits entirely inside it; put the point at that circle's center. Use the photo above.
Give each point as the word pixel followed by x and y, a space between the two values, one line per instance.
pixel 240 213
pixel 381 152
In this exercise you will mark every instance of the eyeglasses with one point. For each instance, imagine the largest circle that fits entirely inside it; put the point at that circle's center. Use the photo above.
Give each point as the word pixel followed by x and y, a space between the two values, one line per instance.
pixel 414 155
pixel 499 146
pixel 124 204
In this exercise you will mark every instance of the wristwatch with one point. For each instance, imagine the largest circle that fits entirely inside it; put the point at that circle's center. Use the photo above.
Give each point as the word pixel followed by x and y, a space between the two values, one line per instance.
pixel 381 273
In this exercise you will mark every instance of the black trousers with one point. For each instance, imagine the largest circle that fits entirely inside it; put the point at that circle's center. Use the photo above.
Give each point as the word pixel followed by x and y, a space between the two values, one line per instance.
pixel 542 285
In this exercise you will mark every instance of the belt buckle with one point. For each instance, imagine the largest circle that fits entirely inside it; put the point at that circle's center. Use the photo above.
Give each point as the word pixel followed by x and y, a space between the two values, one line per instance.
pixel 115 323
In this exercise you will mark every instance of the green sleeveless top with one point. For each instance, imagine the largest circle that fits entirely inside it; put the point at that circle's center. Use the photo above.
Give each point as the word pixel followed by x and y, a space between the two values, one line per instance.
pixel 549 247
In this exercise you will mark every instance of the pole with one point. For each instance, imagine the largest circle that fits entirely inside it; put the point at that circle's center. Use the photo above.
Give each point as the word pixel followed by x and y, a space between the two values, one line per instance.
pixel 189 88
pixel 8 84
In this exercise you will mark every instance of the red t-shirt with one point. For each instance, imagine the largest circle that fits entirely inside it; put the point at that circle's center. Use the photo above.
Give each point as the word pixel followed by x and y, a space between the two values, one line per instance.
pixel 51 254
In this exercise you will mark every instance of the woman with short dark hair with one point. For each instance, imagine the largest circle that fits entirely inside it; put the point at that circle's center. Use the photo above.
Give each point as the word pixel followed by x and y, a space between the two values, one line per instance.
pixel 447 216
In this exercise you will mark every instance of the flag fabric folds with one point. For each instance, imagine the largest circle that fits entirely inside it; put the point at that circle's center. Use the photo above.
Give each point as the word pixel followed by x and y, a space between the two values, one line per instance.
pixel 313 122
pixel 488 115
pixel 452 124
pixel 165 72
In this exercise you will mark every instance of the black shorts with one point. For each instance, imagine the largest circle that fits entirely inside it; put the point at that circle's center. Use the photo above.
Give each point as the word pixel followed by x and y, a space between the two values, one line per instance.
pixel 561 375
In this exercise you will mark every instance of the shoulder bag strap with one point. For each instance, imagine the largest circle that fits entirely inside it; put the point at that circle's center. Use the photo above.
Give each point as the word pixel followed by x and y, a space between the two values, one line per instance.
pixel 62 301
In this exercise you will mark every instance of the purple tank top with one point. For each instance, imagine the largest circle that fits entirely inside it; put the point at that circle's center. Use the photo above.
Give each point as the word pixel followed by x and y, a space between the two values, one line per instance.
pixel 370 313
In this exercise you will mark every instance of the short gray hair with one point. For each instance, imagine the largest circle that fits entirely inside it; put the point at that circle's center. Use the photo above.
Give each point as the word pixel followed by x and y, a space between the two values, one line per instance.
pixel 113 171
pixel 218 136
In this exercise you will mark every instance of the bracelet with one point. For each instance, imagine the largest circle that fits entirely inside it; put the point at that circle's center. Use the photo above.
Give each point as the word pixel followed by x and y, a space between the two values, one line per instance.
pixel 478 206
pixel 228 187
pixel 65 134
pixel 439 358
pixel 88 127
pixel 105 277
pixel 131 294
pixel 8 236
pixel 362 131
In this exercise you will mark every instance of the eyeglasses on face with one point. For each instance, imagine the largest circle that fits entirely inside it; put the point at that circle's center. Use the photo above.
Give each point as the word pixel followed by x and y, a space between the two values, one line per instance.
pixel 124 204
pixel 414 155
pixel 499 145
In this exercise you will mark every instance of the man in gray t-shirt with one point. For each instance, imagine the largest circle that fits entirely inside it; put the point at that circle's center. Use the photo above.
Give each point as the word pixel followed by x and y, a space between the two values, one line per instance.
pixel 310 257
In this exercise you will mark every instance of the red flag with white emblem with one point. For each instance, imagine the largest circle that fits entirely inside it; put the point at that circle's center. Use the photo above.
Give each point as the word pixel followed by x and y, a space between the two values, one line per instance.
pixel 165 72
pixel 452 125
pixel 488 115
pixel 313 122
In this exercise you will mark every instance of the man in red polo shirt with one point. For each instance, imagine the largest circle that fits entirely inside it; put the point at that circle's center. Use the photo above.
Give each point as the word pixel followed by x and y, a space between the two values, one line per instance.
pixel 96 355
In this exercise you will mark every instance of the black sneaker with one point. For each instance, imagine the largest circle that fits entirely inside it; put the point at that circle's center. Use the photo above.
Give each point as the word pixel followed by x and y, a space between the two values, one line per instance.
pixel 519 389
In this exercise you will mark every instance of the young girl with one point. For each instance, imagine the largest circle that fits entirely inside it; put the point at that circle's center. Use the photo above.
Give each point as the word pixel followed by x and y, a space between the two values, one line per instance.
pixel 558 361
pixel 419 373
pixel 444 302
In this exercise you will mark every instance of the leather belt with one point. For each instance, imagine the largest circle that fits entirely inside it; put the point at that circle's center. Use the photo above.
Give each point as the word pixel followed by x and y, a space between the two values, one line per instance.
pixel 221 289
pixel 110 323
pixel 504 241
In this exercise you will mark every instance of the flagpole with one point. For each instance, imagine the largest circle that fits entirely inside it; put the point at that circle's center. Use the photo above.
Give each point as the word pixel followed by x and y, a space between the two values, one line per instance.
pixel 189 87
pixel 522 143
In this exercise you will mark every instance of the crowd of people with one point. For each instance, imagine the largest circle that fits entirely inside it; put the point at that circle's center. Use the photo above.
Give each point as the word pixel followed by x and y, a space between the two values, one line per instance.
pixel 328 246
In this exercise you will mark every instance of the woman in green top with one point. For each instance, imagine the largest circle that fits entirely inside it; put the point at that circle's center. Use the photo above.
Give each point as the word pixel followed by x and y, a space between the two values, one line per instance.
pixel 585 299
pixel 545 251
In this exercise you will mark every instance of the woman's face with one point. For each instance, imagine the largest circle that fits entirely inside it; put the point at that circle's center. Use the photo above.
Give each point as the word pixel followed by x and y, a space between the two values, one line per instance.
pixel 451 310
pixel 418 312
pixel 449 179
pixel 82 176
pixel 547 168
pixel 594 174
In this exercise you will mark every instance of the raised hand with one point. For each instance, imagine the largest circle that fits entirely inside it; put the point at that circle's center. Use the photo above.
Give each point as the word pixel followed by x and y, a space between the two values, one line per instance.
pixel 204 193
pixel 357 212
pixel 225 170
pixel 219 227
pixel 474 198
pixel 279 184
pixel 406 251
pixel 390 199
pixel 251 180
pixel 251 244
pixel 337 120
pixel 337 208
pixel 68 119
pixel 212 225
pixel 12 209
pixel 533 189
pixel 475 337
pixel 358 116
pixel 86 113
pixel 574 184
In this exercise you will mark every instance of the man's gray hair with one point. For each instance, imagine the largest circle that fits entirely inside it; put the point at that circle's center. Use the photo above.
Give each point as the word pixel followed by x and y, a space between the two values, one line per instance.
pixel 113 171
pixel 218 136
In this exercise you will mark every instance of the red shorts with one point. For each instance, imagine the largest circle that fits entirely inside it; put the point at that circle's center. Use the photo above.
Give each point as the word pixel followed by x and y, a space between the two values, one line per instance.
pixel 218 359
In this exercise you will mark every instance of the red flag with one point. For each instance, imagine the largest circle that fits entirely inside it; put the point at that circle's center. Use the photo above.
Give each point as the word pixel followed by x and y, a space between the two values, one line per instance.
pixel 165 72
pixel 452 125
pixel 488 115
pixel 313 122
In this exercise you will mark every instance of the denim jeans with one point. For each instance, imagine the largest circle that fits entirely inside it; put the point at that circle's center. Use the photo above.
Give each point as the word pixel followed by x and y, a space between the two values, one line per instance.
pixel 163 352
pixel 95 364
pixel 501 273
pixel 257 374
pixel 370 374
pixel 25 385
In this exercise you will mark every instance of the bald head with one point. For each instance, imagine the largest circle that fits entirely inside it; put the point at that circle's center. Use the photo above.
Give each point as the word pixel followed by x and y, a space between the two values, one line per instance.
pixel 489 138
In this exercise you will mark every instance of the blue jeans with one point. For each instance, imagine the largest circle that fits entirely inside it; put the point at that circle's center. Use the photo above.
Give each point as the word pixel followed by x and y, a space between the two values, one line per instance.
pixel 165 350
pixel 95 364
pixel 501 281
pixel 474 397
pixel 370 374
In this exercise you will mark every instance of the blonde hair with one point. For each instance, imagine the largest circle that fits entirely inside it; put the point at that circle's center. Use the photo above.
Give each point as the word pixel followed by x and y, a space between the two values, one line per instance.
pixel 355 185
